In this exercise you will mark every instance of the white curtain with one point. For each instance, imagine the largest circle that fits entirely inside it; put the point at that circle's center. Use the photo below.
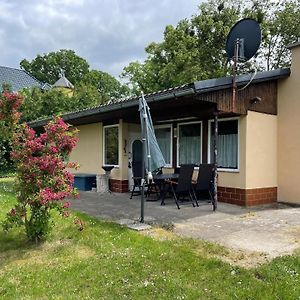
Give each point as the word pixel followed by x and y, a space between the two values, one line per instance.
pixel 189 144
pixel 163 137
pixel 227 151
pixel 189 150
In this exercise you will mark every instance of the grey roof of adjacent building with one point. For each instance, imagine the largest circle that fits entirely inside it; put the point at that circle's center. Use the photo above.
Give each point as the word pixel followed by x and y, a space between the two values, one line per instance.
pixel 18 79
pixel 64 83
pixel 197 87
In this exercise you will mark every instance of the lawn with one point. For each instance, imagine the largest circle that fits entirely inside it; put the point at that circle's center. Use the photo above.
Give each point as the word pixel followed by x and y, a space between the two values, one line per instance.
pixel 107 261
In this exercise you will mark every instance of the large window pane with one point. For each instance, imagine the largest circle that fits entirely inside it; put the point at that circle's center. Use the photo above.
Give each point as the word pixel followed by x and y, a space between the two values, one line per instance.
pixel 111 144
pixel 227 144
pixel 163 137
pixel 189 143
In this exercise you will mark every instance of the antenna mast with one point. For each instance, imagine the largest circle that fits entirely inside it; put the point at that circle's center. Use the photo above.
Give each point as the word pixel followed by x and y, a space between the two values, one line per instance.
pixel 242 44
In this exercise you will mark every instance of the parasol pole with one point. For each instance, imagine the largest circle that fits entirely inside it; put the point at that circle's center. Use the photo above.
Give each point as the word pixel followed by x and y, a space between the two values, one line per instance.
pixel 143 160
pixel 147 150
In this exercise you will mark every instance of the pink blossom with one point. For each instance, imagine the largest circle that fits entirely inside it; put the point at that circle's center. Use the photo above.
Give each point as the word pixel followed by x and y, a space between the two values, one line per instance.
pixel 66 205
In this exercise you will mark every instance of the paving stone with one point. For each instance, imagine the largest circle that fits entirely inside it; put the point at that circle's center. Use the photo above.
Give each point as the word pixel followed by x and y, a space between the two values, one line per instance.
pixel 139 226
pixel 274 231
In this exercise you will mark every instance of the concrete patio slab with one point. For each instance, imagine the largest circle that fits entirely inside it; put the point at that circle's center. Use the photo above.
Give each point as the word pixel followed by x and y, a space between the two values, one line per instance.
pixel 270 230
pixel 139 226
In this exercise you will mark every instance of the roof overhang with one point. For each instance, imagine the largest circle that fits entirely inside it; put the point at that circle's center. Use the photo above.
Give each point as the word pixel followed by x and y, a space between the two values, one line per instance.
pixel 201 97
pixel 226 82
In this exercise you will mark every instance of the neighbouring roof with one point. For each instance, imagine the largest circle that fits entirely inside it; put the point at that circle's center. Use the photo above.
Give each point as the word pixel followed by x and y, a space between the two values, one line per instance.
pixel 198 87
pixel 18 79
pixel 63 82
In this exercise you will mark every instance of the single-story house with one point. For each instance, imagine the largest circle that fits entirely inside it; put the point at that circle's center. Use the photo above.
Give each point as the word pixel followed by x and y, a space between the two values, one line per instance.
pixel 258 139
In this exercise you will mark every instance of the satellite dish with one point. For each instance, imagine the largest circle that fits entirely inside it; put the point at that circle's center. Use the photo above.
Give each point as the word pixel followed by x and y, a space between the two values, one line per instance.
pixel 243 40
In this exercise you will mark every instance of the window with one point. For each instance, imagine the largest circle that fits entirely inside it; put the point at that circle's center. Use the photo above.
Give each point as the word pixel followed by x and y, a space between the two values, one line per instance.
pixel 189 149
pixel 163 135
pixel 111 145
pixel 227 143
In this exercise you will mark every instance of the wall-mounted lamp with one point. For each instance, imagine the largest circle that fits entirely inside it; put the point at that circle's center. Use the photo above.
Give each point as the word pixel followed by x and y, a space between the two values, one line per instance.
pixel 255 100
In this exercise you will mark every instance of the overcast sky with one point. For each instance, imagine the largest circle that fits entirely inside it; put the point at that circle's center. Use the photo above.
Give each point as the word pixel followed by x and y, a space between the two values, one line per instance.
pixel 107 33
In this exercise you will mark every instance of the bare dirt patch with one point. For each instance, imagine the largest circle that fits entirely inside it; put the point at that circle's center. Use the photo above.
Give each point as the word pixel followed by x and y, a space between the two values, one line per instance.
pixel 58 250
pixel 241 258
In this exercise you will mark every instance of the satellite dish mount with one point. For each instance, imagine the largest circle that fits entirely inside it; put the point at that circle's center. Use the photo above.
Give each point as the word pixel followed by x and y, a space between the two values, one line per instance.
pixel 242 44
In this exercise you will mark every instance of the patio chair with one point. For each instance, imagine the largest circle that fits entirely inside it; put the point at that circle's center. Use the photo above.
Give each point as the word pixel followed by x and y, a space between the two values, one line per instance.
pixel 204 182
pixel 183 187
pixel 137 178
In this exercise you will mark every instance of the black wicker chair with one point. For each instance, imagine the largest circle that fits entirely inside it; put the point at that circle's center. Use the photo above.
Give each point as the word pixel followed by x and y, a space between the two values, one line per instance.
pixel 183 187
pixel 204 183
pixel 137 178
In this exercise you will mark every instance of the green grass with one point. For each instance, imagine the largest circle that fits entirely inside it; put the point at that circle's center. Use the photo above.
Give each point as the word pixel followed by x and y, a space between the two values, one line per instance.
pixel 7 172
pixel 107 261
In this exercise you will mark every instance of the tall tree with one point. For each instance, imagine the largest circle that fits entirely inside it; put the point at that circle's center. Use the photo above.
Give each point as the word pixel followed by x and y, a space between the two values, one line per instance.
pixel 40 104
pixel 91 87
pixel 281 27
pixel 107 85
pixel 47 67
pixel 195 48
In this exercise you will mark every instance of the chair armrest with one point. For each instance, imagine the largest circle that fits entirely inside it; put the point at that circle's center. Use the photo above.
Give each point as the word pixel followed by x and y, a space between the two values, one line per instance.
pixel 171 182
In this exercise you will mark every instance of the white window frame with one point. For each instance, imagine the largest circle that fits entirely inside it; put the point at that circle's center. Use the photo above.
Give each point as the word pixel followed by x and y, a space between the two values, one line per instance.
pixel 178 139
pixel 171 138
pixel 103 149
pixel 237 170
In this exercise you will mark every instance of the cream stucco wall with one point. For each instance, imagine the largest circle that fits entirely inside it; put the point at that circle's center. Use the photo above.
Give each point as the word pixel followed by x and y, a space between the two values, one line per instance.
pixel 289 133
pixel 257 153
pixel 88 152
pixel 120 171
pixel 261 150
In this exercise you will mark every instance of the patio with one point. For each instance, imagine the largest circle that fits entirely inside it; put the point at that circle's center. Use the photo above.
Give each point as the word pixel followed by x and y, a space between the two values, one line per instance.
pixel 270 230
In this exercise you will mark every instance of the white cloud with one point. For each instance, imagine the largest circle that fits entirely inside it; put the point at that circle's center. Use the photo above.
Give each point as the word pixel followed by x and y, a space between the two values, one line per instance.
pixel 107 33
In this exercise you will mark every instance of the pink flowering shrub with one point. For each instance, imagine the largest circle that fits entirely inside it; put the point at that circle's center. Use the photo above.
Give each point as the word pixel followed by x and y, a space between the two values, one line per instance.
pixel 9 116
pixel 9 110
pixel 43 178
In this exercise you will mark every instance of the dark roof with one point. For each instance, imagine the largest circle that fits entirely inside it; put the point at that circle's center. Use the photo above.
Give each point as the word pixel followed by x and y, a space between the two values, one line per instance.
pixel 197 87
pixel 18 79
pixel 226 82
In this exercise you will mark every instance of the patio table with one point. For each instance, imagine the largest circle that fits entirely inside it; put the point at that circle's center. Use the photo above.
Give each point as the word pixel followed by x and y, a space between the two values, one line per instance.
pixel 160 180
pixel 164 177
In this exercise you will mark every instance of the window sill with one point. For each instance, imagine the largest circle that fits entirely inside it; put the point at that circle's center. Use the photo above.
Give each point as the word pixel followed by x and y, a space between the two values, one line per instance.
pixel 167 167
pixel 228 170
pixel 115 166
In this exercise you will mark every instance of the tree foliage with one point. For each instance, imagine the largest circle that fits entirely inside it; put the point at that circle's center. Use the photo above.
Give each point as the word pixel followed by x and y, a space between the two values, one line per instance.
pixel 9 117
pixel 48 67
pixel 92 87
pixel 108 86
pixel 39 104
pixel 195 48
